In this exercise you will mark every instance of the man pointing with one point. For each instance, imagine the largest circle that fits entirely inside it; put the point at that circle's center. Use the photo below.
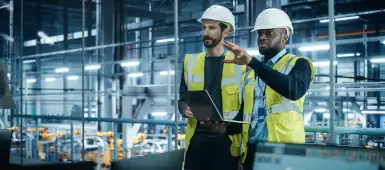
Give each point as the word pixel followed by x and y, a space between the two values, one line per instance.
pixel 281 84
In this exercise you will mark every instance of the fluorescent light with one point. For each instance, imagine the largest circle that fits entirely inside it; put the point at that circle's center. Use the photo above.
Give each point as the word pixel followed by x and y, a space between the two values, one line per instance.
pixel 62 70
pixel 165 40
pixel 340 19
pixel 348 55
pixel 7 37
pixel 30 43
pixel 321 110
pixel 72 77
pixel 44 37
pixel 9 75
pixel 31 80
pixel 323 63
pixel 94 32
pixel 383 42
pixel 159 113
pixel 253 52
pixel 92 67
pixel 322 103
pixel 326 115
pixel 79 34
pixel 314 48
pixel 49 79
pixel 165 73
pixel 372 107
pixel 377 60
pixel 130 64
pixel 346 110
pixel 373 111
pixel 58 38
pixel 28 61
pixel 135 75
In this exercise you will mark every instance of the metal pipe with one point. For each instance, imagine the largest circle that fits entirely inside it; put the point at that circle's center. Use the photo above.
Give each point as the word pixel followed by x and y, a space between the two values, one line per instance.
pixel 349 84
pixel 5 6
pixel 169 138
pixel 338 42
pixel 322 129
pixel 247 15
pixel 111 120
pixel 352 90
pixel 176 29
pixel 12 55
pixel 83 56
pixel 344 130
pixel 115 142
pixel 72 143
pixel 338 16
pixel 21 74
pixel 332 55
pixel 98 82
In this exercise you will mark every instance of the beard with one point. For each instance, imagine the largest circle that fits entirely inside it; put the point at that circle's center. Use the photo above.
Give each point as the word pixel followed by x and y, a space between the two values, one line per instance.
pixel 214 42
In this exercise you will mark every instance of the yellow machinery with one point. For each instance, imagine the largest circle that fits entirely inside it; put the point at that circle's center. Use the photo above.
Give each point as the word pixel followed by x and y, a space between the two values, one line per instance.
pixel 14 128
pixel 46 136
pixel 106 161
pixel 138 138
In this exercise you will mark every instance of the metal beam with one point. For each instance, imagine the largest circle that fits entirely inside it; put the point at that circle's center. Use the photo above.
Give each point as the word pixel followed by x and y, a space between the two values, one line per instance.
pixel 144 13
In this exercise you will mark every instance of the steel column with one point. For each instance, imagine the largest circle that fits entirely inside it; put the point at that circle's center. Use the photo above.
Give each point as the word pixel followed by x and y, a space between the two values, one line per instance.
pixel 83 56
pixel 176 31
pixel 332 55
pixel 169 138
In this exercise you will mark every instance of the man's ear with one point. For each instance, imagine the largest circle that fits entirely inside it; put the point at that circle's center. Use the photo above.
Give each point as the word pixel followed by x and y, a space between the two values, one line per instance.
pixel 226 32
pixel 284 39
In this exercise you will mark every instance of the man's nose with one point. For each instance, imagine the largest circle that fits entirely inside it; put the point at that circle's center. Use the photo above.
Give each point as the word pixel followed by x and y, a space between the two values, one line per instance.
pixel 262 37
pixel 205 32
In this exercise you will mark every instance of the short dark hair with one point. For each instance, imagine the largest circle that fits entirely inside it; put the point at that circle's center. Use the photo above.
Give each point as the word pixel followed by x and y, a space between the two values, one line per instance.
pixel 223 26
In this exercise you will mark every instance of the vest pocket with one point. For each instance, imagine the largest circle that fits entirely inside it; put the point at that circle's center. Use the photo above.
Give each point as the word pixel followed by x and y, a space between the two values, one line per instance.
pixel 286 128
pixel 230 98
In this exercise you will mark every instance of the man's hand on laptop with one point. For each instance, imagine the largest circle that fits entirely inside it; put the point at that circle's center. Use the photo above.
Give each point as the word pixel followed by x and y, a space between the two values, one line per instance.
pixel 188 113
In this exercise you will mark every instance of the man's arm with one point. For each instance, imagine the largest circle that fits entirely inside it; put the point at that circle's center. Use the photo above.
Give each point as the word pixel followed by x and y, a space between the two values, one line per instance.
pixel 182 105
pixel 292 86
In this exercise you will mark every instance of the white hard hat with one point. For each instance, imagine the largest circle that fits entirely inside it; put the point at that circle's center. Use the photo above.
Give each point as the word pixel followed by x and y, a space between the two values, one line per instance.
pixel 219 13
pixel 273 18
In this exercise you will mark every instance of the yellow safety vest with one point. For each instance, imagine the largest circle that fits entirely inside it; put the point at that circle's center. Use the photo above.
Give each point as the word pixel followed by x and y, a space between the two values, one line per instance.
pixel 237 86
pixel 284 117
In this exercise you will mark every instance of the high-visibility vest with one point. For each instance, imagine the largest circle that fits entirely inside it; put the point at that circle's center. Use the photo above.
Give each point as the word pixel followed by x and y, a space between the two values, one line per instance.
pixel 284 117
pixel 237 86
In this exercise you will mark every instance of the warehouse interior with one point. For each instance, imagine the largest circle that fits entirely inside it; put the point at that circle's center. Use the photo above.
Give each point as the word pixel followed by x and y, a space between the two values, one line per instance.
pixel 99 79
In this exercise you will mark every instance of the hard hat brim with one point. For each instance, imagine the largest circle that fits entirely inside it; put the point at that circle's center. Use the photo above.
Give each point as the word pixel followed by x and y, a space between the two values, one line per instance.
pixel 200 20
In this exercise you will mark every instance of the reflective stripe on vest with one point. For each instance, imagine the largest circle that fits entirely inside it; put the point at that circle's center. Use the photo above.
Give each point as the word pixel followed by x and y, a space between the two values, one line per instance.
pixel 247 117
pixel 247 81
pixel 234 80
pixel 190 67
pixel 286 105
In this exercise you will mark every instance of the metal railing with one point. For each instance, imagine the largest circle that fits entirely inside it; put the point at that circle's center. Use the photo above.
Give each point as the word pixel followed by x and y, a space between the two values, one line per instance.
pixel 115 121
